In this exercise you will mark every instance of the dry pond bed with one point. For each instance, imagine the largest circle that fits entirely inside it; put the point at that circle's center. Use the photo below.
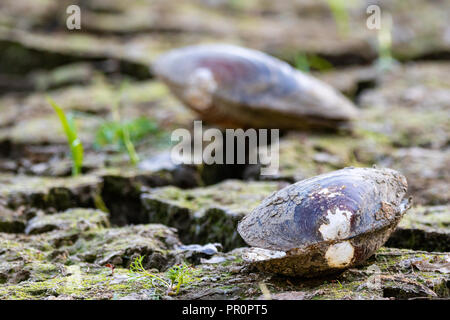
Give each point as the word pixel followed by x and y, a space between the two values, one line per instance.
pixel 119 231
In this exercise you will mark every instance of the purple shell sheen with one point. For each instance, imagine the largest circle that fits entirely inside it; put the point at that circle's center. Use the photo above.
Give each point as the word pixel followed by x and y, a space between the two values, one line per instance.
pixel 244 87
pixel 339 218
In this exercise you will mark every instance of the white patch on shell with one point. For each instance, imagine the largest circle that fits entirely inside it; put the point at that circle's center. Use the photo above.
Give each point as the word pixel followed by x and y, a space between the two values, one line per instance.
pixel 200 88
pixel 259 254
pixel 340 255
pixel 338 226
pixel 328 193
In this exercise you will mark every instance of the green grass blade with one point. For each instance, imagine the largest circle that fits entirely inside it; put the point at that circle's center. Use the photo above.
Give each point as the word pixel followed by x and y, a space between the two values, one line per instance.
pixel 301 62
pixel 134 158
pixel 340 14
pixel 76 147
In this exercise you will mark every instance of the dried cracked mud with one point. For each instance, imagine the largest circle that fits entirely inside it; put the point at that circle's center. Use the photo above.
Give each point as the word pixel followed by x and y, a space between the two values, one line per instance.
pixel 64 237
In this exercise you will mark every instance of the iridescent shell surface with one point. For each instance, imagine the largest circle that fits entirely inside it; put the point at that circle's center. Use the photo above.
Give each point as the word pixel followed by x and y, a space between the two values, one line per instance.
pixel 239 87
pixel 328 222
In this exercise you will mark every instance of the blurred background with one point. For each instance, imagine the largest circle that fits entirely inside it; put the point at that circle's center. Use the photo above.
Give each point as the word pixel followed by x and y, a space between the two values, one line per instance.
pixel 99 76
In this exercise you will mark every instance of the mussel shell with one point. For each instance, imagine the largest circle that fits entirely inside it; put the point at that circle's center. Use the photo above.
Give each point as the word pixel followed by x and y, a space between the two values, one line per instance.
pixel 319 258
pixel 327 222
pixel 244 87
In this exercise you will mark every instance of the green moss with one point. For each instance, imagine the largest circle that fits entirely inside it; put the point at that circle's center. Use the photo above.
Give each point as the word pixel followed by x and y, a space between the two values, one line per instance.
pixel 77 284
pixel 233 195
pixel 75 220
pixel 303 156
pixel 42 192
pixel 207 214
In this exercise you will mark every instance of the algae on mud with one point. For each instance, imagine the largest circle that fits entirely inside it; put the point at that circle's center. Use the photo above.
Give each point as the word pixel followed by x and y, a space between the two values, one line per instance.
pixel 403 125
pixel 206 214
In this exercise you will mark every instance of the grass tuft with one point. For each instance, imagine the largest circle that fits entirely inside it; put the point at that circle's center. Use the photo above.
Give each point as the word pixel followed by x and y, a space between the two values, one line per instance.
pixel 174 278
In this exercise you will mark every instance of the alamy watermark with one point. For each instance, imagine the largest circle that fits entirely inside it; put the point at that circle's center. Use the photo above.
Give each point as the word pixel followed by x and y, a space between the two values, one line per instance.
pixel 374 20
pixel 73 21
pixel 374 281
pixel 242 147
